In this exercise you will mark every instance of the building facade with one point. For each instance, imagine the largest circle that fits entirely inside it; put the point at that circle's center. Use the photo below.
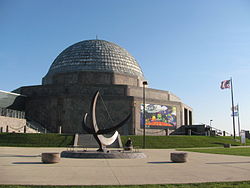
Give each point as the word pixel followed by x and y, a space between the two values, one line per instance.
pixel 97 65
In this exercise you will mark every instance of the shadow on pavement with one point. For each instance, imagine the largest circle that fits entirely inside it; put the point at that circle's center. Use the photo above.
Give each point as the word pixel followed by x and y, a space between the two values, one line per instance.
pixel 160 162
pixel 229 162
pixel 20 155
pixel 27 163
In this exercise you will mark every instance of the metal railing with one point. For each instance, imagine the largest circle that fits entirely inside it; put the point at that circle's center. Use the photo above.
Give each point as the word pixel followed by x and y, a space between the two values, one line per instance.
pixel 12 113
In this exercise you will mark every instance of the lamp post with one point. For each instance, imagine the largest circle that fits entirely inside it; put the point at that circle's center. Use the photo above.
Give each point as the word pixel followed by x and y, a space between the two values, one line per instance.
pixel 144 114
pixel 210 123
pixel 210 128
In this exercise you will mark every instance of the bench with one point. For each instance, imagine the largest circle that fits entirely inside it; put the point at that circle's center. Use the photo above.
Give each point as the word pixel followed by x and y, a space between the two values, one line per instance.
pixel 128 148
pixel 227 145
pixel 131 149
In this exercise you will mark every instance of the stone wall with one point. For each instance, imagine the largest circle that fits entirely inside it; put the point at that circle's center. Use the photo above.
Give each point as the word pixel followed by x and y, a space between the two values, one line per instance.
pixel 62 105
pixel 120 79
pixel 152 94
pixel 91 77
pixel 57 105
pixel 72 89
pixel 12 113
pixel 10 124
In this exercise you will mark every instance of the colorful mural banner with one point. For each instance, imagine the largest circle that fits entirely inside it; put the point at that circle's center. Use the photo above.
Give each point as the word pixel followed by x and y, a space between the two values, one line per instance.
pixel 159 116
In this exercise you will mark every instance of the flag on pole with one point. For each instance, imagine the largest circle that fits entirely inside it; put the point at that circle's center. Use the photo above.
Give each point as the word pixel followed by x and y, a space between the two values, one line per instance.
pixel 235 108
pixel 225 84
pixel 235 114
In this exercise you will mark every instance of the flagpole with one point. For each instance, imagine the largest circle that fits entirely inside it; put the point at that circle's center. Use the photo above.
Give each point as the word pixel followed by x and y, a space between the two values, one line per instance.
pixel 238 118
pixel 232 96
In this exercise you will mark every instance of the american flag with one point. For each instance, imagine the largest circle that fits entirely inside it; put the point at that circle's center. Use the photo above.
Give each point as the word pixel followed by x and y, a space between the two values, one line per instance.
pixel 235 108
pixel 225 84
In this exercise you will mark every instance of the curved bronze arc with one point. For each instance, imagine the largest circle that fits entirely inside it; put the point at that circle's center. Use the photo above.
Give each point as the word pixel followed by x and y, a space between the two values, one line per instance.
pixel 85 127
pixel 103 131
pixel 108 130
pixel 97 133
pixel 105 141
pixel 91 131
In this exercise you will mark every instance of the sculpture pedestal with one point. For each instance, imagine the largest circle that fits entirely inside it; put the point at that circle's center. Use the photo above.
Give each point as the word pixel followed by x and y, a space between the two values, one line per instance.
pixel 111 154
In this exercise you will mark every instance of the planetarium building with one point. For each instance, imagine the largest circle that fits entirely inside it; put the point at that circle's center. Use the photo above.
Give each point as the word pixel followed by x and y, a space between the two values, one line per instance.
pixel 89 66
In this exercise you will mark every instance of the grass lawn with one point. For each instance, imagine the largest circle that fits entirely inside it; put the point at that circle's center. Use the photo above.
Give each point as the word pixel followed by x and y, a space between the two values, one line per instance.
pixel 152 142
pixel 245 184
pixel 227 151
pixel 167 142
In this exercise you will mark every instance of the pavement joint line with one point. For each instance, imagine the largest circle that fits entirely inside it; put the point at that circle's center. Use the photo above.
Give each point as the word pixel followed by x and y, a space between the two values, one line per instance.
pixel 112 171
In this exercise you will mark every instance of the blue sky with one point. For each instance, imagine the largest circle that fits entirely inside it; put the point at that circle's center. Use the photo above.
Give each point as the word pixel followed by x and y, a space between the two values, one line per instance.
pixel 186 47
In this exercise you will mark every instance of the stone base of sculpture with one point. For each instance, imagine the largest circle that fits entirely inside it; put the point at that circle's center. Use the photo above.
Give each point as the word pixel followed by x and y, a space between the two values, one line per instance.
pixel 109 154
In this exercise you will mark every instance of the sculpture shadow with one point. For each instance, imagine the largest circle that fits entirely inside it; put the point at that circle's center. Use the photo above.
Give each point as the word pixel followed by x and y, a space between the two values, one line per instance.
pixel 20 155
pixel 27 163
pixel 240 162
pixel 161 162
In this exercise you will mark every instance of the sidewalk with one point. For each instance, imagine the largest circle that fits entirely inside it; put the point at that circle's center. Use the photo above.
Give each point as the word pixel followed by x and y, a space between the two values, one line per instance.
pixel 23 166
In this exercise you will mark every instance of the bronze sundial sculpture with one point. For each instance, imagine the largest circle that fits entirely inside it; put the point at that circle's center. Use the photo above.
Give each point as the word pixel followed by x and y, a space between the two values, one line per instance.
pixel 98 133
pixel 102 141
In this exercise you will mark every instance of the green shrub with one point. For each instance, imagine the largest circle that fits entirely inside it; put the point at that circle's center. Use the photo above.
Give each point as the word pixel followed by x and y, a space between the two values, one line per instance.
pixel 36 140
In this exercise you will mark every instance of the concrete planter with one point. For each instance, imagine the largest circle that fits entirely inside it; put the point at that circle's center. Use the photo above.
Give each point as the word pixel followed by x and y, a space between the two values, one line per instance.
pixel 50 157
pixel 178 157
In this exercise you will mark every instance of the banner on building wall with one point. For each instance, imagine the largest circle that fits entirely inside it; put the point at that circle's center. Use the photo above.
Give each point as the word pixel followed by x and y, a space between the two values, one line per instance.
pixel 159 116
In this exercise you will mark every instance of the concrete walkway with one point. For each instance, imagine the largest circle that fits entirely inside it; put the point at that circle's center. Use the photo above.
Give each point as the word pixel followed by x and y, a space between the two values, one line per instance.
pixel 23 166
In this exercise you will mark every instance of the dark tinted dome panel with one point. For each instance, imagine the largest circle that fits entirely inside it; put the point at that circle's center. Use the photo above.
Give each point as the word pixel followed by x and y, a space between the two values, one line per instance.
pixel 95 55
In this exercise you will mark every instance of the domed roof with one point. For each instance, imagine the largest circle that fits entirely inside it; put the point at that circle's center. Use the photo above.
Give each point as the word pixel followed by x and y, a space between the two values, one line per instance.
pixel 95 55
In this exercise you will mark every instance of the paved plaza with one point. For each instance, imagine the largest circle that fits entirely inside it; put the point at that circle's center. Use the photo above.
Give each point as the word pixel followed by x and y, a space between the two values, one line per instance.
pixel 23 166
